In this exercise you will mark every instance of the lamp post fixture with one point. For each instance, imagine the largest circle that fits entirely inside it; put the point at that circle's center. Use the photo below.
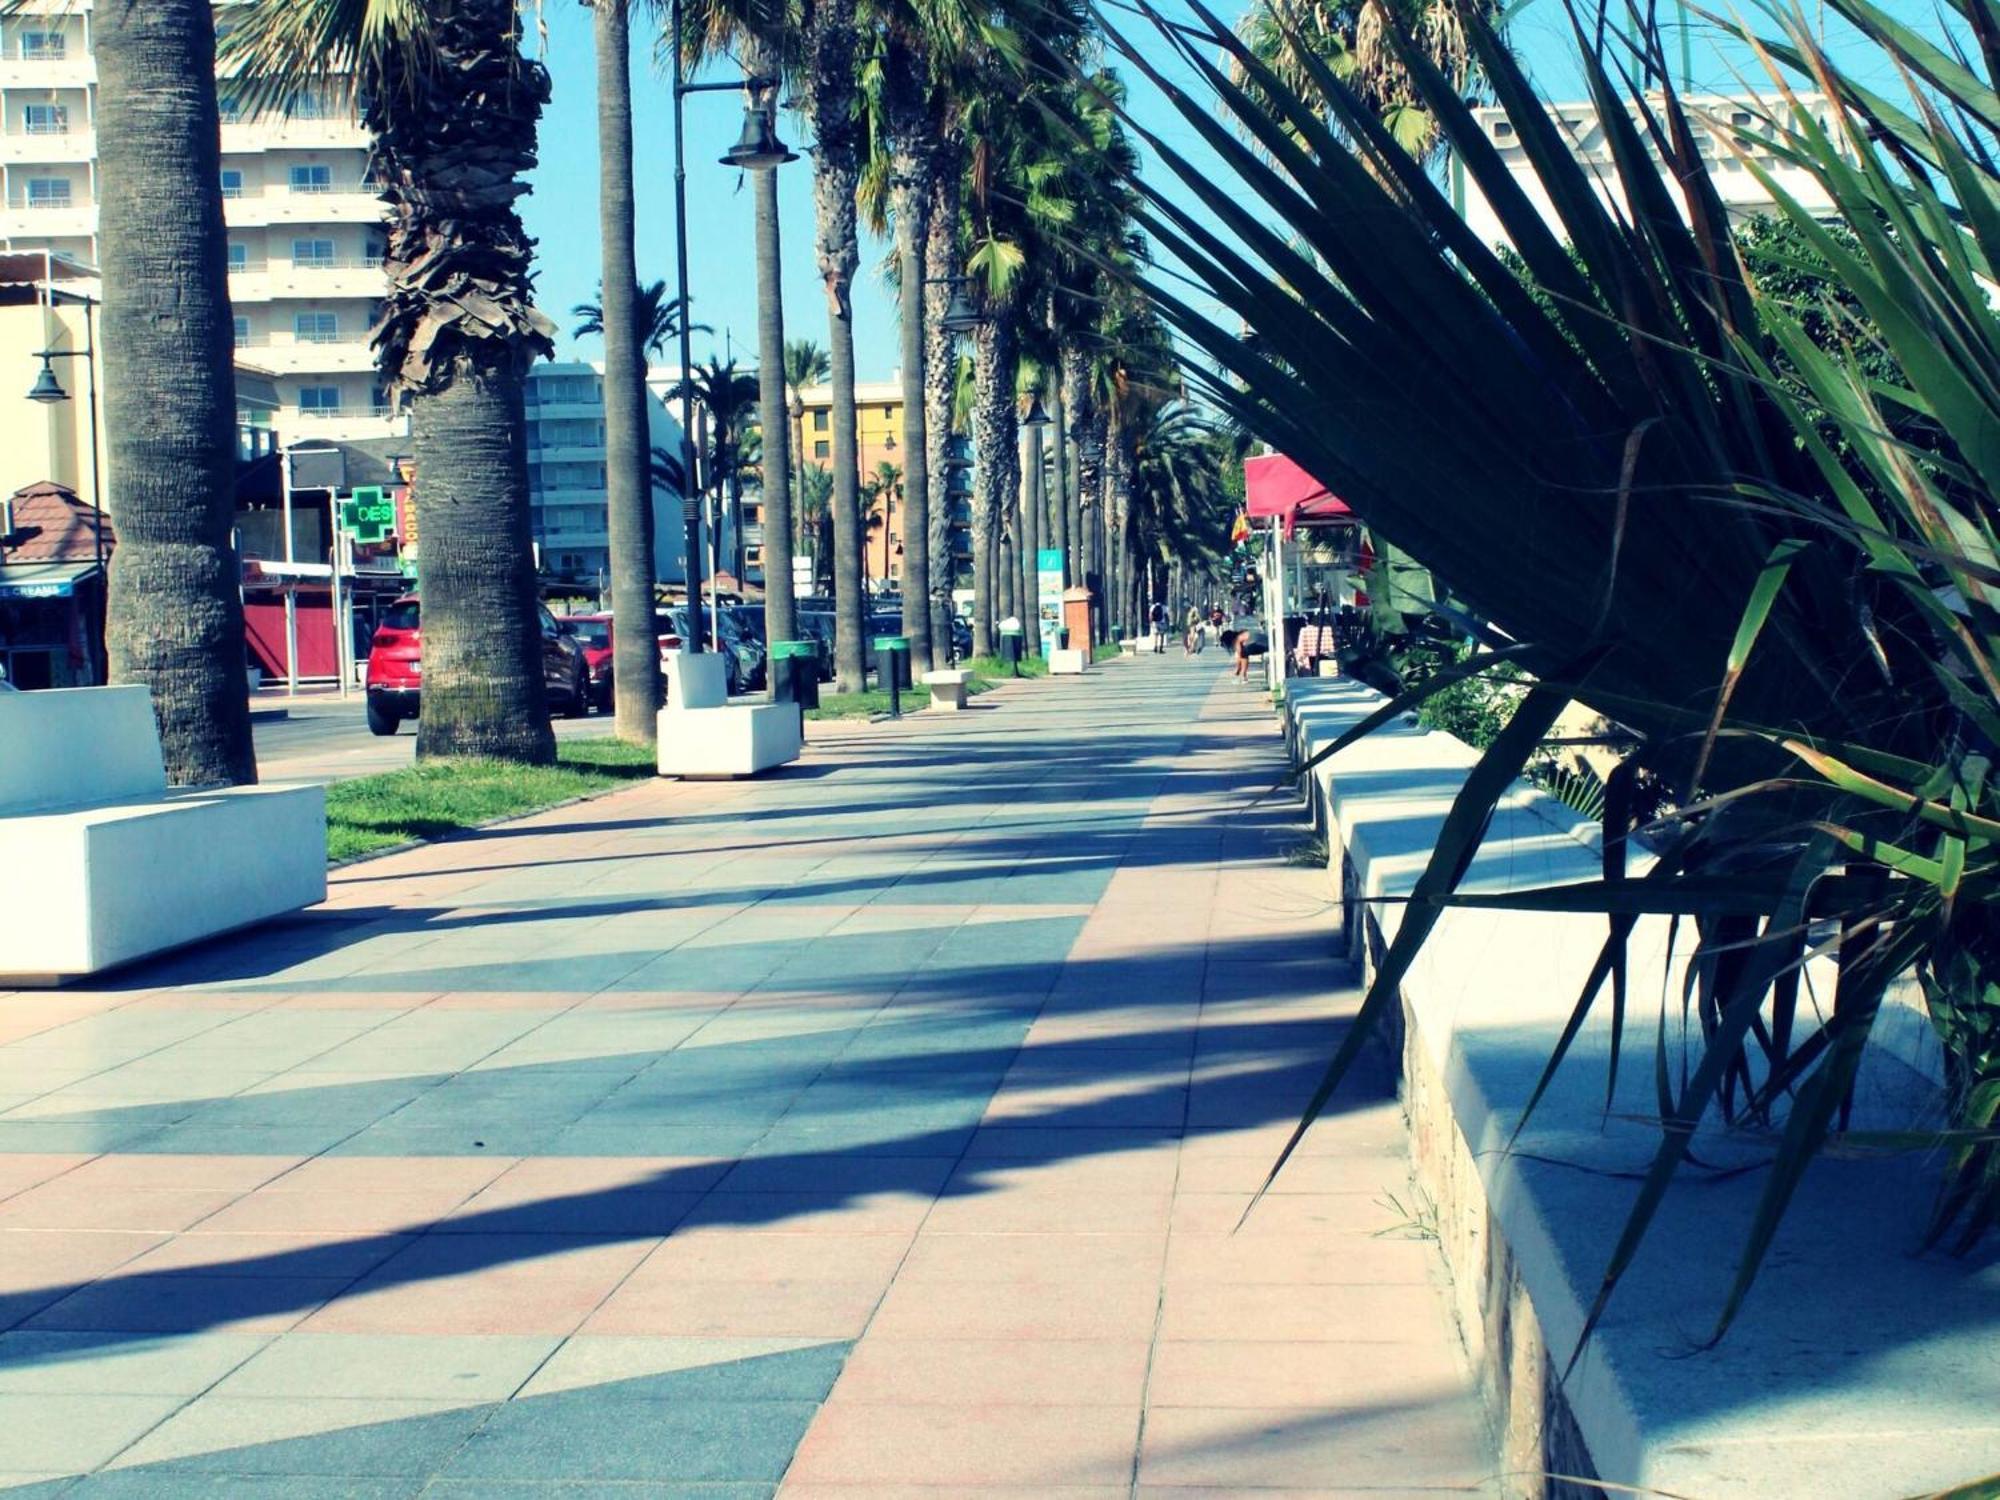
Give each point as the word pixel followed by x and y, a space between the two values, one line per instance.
pixel 757 149
pixel 48 390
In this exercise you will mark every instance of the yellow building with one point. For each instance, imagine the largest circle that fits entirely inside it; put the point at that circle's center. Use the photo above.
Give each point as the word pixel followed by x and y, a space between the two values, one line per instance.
pixel 879 412
pixel 48 303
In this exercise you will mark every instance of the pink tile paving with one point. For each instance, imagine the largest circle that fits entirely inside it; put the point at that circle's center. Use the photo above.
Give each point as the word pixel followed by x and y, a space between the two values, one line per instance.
pixel 958 1104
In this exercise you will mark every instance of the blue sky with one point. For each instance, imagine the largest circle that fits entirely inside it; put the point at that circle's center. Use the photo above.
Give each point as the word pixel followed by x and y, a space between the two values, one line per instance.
pixel 562 211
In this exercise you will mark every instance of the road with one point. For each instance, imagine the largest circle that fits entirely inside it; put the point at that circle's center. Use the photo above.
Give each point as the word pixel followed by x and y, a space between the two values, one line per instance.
pixel 326 739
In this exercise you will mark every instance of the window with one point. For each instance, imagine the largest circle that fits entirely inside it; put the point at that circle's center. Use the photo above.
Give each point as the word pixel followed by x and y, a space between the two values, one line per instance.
pixel 324 399
pixel 239 257
pixel 232 183
pixel 316 328
pixel 819 421
pixel 312 253
pixel 43 46
pixel 313 104
pixel 48 192
pixel 314 179
pixel 229 107
pixel 821 450
pixel 242 330
pixel 45 119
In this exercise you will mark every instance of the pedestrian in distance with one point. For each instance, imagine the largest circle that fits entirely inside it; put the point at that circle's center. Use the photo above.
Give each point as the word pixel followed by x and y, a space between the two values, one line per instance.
pixel 1192 638
pixel 1157 618
pixel 1242 655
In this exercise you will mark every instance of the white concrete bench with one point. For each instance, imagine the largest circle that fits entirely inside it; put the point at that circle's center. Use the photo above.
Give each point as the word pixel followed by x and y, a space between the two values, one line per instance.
pixel 947 689
pixel 100 864
pixel 1068 661
pixel 702 734
pixel 1786 1406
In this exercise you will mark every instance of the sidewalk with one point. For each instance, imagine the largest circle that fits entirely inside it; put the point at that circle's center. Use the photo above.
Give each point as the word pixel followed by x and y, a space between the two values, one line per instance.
pixel 875 1130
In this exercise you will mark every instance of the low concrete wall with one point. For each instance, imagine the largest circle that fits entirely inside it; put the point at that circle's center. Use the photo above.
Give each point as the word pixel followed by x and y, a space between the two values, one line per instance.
pixel 1855 1369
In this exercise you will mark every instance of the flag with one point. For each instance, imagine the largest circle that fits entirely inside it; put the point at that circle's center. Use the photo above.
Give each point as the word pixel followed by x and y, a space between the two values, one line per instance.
pixel 1240 532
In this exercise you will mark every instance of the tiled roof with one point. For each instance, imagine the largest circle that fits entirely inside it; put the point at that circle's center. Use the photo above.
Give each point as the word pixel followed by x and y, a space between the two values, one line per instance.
pixel 67 532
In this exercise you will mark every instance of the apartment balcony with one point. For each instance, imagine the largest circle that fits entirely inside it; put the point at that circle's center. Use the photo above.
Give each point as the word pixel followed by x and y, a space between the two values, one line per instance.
pixel 567 453
pixel 359 277
pixel 589 411
pixel 287 354
pixel 339 203
pixel 49 144
pixel 260 137
pixel 345 424
pixel 46 219
pixel 72 68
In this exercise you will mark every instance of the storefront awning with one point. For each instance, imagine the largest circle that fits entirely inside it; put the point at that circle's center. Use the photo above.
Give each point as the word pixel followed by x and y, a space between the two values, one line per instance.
pixel 1277 487
pixel 43 580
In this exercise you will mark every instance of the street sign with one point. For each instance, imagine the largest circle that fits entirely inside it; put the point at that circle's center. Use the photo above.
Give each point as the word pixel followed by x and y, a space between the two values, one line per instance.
pixel 369 516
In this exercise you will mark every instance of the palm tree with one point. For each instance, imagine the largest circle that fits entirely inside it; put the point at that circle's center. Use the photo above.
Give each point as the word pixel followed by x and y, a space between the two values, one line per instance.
pixel 635 666
pixel 882 492
pixel 658 317
pixel 1355 43
pixel 806 363
pixel 451 105
pixel 174 616
pixel 816 518
pixel 827 90
pixel 728 396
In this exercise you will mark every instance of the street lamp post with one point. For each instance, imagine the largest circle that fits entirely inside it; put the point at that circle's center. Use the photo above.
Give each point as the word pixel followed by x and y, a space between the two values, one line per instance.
pixel 48 390
pixel 758 149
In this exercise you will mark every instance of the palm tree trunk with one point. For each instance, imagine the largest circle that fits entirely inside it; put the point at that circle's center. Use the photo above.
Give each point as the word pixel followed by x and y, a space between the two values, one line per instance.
pixel 910 190
pixel 174 614
pixel 1061 505
pixel 780 607
pixel 483 691
pixel 828 94
pixel 1090 504
pixel 995 362
pixel 635 662
pixel 456 333
pixel 940 379
pixel 1032 509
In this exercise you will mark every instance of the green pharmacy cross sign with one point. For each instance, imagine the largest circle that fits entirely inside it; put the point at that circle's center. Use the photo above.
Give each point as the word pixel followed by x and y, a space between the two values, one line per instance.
pixel 368 515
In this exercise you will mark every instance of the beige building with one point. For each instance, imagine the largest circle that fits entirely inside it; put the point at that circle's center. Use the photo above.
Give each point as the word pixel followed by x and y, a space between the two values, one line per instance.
pixel 1717 120
pixel 305 231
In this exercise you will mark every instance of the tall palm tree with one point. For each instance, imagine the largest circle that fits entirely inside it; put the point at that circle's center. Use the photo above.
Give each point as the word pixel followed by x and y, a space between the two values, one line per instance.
pixel 729 396
pixel 806 363
pixel 451 103
pixel 635 664
pixel 174 616
pixel 764 34
pixel 658 317
pixel 942 257
pixel 829 38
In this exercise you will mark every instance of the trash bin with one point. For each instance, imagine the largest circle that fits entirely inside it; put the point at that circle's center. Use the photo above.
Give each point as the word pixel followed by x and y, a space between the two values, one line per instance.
pixel 795 673
pixel 892 661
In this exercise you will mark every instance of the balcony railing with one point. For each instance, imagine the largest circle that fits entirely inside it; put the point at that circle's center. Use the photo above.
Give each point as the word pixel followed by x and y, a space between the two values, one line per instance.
pixel 21 201
pixel 45 127
pixel 55 50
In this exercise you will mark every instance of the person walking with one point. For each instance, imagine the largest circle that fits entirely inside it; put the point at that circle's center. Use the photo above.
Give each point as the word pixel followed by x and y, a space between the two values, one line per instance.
pixel 1242 669
pixel 1157 618
pixel 1192 638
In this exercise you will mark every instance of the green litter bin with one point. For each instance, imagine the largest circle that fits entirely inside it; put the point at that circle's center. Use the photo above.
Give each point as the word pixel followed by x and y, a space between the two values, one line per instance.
pixel 892 662
pixel 795 673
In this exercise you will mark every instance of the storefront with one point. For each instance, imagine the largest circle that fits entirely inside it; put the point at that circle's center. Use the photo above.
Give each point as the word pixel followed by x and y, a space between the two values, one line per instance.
pixel 49 614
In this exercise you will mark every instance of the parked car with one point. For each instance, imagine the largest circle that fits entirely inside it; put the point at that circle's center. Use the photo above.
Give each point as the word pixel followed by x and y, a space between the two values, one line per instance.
pixel 395 667
pixel 746 656
pixel 593 634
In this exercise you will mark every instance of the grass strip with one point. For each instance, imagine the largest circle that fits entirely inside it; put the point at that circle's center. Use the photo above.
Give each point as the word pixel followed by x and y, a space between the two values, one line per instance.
pixel 992 666
pixel 874 701
pixel 1105 650
pixel 439 797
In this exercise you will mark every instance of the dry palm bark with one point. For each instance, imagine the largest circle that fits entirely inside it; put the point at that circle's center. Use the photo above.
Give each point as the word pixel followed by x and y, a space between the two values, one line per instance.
pixel 453 121
pixel 175 613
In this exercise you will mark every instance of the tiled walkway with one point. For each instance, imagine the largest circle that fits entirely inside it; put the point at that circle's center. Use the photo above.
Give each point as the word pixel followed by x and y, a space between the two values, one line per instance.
pixel 877 1130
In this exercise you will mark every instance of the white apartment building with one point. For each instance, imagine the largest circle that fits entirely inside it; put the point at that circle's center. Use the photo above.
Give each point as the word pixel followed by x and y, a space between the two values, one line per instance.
pixel 1716 120
pixel 305 231
pixel 566 476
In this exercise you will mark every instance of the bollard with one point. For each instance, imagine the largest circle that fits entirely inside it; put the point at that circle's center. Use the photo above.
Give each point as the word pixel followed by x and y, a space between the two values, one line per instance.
pixel 892 669
pixel 1010 644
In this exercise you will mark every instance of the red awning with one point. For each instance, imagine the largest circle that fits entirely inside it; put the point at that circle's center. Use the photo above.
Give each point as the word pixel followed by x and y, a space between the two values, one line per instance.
pixel 1279 488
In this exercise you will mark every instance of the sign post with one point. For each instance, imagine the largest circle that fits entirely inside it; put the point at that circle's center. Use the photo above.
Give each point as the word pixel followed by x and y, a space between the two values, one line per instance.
pixel 1049 597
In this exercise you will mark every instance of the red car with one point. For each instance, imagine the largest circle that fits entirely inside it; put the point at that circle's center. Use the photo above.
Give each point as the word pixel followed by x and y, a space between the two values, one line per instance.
pixel 395 667
pixel 595 634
